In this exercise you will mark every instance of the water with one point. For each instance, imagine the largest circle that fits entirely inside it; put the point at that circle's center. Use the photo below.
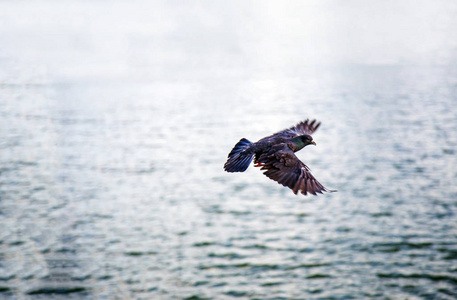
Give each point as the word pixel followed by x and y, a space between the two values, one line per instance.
pixel 114 135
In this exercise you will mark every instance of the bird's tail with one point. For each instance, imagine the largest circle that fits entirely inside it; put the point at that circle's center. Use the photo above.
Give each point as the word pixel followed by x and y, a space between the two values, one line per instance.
pixel 240 157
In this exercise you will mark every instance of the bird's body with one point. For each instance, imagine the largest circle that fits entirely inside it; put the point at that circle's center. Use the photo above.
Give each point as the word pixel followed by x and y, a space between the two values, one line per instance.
pixel 275 155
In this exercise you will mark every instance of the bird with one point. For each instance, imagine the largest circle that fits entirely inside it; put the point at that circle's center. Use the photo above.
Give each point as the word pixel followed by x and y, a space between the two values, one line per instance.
pixel 275 155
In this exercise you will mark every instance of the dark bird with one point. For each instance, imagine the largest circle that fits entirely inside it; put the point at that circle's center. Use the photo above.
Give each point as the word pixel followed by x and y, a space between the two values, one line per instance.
pixel 275 155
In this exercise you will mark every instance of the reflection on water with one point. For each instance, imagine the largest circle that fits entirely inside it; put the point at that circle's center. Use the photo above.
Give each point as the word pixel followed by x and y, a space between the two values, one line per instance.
pixel 113 187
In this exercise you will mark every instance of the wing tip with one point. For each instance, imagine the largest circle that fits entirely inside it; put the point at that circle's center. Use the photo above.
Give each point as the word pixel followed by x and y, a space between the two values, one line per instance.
pixel 307 126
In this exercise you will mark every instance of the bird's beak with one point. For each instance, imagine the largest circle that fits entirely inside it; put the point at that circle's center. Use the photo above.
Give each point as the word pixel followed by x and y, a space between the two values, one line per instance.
pixel 314 143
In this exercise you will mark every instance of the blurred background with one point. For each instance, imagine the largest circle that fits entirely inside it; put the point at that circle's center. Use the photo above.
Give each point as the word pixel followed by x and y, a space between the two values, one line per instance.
pixel 116 118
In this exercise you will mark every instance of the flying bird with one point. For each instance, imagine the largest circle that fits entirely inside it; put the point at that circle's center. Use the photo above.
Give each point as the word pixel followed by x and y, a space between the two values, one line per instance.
pixel 275 155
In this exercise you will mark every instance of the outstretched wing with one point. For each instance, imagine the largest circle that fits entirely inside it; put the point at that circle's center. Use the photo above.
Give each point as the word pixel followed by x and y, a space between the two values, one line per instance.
pixel 304 127
pixel 285 168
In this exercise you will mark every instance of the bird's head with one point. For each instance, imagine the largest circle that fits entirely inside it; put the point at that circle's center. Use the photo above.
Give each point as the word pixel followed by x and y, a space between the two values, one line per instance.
pixel 302 141
pixel 307 140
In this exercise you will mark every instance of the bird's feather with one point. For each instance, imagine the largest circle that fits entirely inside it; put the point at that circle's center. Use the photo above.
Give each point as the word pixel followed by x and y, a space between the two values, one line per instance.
pixel 304 127
pixel 284 167
pixel 240 157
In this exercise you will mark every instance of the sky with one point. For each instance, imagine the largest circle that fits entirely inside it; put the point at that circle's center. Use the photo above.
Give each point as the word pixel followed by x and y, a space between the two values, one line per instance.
pixel 150 39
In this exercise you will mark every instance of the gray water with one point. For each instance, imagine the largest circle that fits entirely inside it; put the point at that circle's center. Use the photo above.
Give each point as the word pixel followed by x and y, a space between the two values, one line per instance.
pixel 116 119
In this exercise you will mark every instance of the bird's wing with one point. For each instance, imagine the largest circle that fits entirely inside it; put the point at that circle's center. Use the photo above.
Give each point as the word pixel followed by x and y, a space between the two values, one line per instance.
pixel 304 127
pixel 285 168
